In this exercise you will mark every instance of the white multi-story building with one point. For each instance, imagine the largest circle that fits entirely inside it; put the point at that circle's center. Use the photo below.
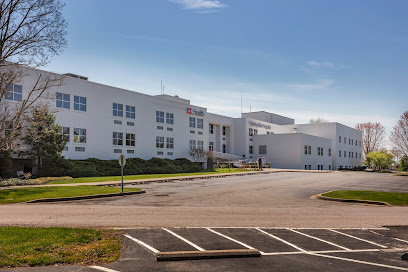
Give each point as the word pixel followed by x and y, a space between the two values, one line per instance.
pixel 102 122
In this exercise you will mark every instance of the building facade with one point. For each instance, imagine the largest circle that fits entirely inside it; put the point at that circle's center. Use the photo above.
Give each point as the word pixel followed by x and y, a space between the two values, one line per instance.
pixel 103 122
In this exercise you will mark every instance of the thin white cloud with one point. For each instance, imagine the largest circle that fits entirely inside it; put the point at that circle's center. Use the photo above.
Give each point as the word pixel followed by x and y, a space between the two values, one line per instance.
pixel 201 6
pixel 324 64
pixel 322 84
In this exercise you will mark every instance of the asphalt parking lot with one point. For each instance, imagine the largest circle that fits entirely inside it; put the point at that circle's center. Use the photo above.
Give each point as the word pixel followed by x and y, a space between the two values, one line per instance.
pixel 282 249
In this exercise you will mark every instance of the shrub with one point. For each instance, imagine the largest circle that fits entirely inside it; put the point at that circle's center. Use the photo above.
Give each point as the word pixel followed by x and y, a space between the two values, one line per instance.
pixel 134 166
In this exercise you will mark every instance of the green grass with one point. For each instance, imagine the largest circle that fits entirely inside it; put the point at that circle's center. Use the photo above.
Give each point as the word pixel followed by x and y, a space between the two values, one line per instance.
pixel 398 199
pixel 136 177
pixel 27 194
pixel 47 246
pixel 401 174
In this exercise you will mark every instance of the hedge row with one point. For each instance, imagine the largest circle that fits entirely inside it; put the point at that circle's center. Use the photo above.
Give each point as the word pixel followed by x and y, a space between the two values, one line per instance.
pixel 134 166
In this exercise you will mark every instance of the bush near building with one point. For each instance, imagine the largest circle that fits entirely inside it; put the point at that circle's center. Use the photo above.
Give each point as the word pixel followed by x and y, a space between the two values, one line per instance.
pixel 403 164
pixel 134 166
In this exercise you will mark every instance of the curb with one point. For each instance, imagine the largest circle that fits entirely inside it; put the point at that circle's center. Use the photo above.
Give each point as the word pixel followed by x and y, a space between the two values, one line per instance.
pixel 59 199
pixel 371 202
pixel 207 254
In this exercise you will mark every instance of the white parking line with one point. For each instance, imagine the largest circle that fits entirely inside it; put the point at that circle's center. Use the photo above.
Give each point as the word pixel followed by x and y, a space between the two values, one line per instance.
pixel 358 238
pixel 318 239
pixel 280 239
pixel 319 252
pixel 398 239
pixel 184 240
pixel 103 269
pixel 231 239
pixel 155 251
pixel 361 262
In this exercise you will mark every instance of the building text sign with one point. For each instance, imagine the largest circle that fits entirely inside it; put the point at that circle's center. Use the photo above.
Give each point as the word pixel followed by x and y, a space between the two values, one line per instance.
pixel 259 125
pixel 194 111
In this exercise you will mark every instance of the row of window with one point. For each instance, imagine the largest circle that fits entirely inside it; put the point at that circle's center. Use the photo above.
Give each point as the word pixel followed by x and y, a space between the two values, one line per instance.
pixel 351 141
pixel 319 167
pixel 160 142
pixel 193 144
pixel 192 122
pixel 160 117
pixel 308 151
pixel 211 129
pixel 63 101
pixel 79 134
pixel 118 111
pixel 350 154
pixel 117 139
pixel 253 131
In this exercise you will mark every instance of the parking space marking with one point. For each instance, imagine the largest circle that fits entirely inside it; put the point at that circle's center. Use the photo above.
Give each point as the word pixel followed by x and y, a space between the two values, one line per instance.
pixel 231 239
pixel 321 252
pixel 280 239
pixel 358 261
pixel 318 239
pixel 155 251
pixel 398 239
pixel 358 238
pixel 103 269
pixel 184 240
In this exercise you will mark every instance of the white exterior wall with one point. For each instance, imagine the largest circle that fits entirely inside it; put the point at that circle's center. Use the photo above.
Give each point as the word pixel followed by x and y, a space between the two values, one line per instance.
pixel 98 120
pixel 287 150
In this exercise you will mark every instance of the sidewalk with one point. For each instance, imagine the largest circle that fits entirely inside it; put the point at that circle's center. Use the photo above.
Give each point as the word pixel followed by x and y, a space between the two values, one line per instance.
pixel 169 179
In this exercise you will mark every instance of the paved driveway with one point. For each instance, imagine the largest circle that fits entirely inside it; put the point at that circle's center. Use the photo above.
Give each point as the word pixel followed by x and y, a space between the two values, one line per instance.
pixel 266 200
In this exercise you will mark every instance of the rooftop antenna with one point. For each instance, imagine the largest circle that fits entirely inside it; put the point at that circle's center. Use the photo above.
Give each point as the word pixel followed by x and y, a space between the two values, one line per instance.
pixel 161 86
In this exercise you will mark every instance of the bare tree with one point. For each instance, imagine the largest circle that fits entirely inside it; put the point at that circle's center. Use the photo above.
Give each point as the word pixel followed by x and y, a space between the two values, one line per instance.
pixel 198 155
pixel 31 33
pixel 373 136
pixel 318 120
pixel 399 135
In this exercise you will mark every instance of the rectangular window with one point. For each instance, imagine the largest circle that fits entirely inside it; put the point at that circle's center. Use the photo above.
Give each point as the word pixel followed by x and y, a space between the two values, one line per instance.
pixel 130 112
pixel 13 92
pixel 200 133
pixel 255 131
pixel 251 149
pixel 251 132
pixel 159 116
pixel 310 167
pixel 309 150
pixel 329 152
pixel 305 149
pixel 360 143
pixel 352 142
pixel 65 133
pixel 200 145
pixel 305 166
pixel 339 139
pixel 169 153
pixel 63 101
pixel 130 151
pixel 321 151
pixel 211 129
pixel 79 103
pixel 117 151
pixel 340 153
pixel 352 155
pixel 360 155
pixel 80 149
pixel 79 135
pixel 318 151
pixel 200 123
pixel 169 129
pixel 192 144
pixel 224 148
pixel 159 153
pixel 192 131
pixel 169 118
pixel 160 127
pixel 349 141
pixel 224 131
pixel 130 139
pixel 263 149
pixel 117 122
pixel 344 139
pixel 349 154
pixel 159 142
pixel 170 143
pixel 132 124
pixel 192 122
pixel 211 146
pixel 355 142
pixel 345 154
pixel 117 138
pixel 117 110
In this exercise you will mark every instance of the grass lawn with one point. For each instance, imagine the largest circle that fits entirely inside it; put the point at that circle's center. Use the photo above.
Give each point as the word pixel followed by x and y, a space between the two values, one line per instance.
pixel 135 177
pixel 401 174
pixel 398 199
pixel 47 246
pixel 27 194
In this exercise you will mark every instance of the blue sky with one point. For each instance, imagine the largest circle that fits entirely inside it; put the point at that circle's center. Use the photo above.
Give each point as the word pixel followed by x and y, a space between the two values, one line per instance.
pixel 345 61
